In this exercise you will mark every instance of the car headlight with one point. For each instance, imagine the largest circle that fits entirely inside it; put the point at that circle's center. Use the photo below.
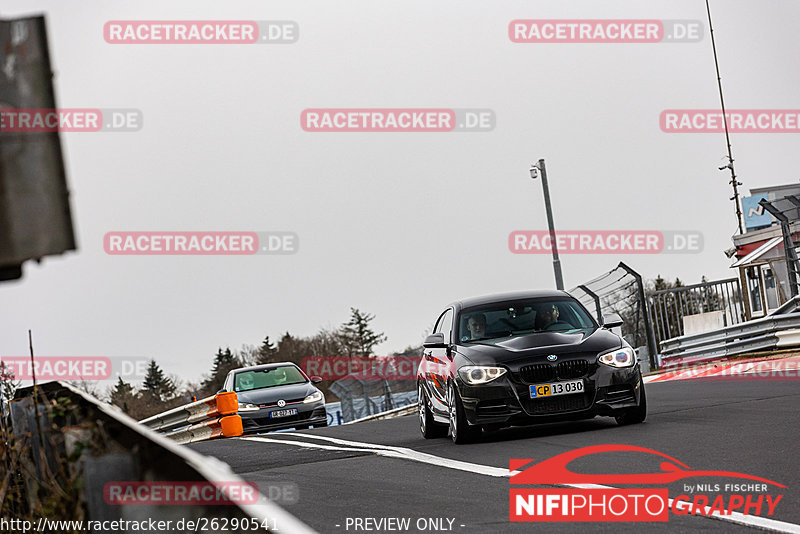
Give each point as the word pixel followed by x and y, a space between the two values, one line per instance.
pixel 314 397
pixel 479 374
pixel 623 357
pixel 247 407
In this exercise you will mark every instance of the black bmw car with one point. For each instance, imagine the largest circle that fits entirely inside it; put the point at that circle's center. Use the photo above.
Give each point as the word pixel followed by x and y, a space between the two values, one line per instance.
pixel 277 396
pixel 524 358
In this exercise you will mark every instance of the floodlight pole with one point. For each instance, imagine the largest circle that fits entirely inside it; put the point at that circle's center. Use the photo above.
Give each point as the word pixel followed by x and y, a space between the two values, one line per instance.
pixel 556 262
pixel 734 181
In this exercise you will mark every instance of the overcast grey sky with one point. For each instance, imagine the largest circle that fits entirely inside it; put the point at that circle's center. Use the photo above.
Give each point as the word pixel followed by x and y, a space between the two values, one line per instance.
pixel 397 224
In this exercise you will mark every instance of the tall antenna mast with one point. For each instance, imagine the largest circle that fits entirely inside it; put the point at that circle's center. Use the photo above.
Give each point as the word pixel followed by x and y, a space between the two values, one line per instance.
pixel 734 182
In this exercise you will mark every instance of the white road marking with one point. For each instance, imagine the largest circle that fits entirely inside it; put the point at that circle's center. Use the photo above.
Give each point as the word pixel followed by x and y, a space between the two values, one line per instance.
pixel 416 456
pixel 392 452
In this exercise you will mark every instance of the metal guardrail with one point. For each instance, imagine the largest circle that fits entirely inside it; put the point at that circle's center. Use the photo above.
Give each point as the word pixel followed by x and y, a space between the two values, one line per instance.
pixel 787 307
pixel 742 338
pixel 208 418
pixel 102 446
pixel 621 291
pixel 668 307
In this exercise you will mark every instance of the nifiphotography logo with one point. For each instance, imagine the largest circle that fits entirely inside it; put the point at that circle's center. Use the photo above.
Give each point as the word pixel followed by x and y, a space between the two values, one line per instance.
pixel 586 497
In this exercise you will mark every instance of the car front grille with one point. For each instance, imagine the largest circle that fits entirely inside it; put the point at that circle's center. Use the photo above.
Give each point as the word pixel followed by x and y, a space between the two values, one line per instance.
pixel 573 369
pixel 558 404
pixel 287 402
pixel 545 372
pixel 540 372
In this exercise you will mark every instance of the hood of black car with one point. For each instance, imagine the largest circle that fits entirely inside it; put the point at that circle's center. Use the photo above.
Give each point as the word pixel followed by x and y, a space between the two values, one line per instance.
pixel 273 394
pixel 530 347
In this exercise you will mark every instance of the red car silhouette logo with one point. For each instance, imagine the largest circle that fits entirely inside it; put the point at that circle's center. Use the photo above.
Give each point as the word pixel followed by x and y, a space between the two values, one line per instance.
pixel 554 470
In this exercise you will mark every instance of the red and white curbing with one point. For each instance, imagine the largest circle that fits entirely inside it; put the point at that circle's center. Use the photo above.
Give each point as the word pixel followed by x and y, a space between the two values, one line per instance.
pixel 786 368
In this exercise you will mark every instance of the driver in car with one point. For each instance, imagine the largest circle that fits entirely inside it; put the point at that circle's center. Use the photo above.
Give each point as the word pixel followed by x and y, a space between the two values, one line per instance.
pixel 279 376
pixel 547 318
pixel 477 326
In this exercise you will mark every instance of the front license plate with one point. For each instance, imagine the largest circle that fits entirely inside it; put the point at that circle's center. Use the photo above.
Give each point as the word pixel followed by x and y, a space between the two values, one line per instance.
pixel 282 413
pixel 556 388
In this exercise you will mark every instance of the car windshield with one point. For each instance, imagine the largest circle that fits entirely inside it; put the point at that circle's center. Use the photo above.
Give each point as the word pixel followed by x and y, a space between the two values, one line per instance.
pixel 267 378
pixel 532 316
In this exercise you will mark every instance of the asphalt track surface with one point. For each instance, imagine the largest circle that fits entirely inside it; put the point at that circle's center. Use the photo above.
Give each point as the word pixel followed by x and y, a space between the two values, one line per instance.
pixel 743 426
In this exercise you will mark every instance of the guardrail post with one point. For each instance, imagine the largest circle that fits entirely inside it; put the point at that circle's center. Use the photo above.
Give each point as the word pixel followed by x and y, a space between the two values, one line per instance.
pixel 26 441
pixel 100 471
pixel 648 327
pixel 596 302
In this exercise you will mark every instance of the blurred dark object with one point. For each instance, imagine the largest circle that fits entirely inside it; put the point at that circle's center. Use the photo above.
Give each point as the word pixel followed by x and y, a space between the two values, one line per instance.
pixel 35 219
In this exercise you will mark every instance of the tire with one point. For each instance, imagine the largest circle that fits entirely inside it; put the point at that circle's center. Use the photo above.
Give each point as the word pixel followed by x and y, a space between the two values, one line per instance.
pixel 635 415
pixel 429 428
pixel 460 430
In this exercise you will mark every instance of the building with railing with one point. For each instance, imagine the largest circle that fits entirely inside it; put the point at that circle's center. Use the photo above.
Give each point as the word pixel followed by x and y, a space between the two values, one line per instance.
pixel 765 255
pixel 765 259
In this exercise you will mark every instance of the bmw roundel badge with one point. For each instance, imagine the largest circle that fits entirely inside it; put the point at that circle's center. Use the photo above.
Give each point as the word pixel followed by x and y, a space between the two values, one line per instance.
pixel 552 357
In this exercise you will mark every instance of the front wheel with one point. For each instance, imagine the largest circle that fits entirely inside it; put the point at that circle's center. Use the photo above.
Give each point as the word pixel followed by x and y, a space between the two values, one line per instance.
pixel 429 428
pixel 635 415
pixel 460 431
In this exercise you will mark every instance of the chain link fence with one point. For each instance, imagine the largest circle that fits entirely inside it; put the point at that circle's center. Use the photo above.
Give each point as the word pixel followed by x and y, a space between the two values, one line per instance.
pixel 621 291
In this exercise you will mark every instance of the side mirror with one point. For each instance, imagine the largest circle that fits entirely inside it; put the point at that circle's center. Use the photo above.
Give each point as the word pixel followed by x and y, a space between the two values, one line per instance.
pixel 612 320
pixel 435 341
pixel 316 379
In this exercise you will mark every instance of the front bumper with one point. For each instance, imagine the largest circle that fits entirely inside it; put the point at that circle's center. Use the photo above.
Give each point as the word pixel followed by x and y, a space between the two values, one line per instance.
pixel 506 401
pixel 312 413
